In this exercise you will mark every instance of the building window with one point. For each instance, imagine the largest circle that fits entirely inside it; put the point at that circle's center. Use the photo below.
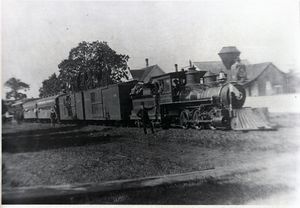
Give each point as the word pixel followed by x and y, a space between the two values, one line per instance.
pixel 201 80
pixel 254 89
pixel 269 89
pixel 278 89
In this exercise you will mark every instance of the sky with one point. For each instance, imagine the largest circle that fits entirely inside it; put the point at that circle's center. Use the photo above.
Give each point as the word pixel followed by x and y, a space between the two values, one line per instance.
pixel 38 35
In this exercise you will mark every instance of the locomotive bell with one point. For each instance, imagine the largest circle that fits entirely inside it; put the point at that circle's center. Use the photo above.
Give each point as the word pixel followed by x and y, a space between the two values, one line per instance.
pixel 228 56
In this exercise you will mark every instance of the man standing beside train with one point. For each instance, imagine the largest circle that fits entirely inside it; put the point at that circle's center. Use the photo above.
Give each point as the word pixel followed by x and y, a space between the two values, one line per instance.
pixel 143 114
pixel 53 116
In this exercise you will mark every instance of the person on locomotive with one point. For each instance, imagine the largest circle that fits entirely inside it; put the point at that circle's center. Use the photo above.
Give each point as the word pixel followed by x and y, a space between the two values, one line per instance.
pixel 176 88
pixel 222 77
pixel 238 69
pixel 143 114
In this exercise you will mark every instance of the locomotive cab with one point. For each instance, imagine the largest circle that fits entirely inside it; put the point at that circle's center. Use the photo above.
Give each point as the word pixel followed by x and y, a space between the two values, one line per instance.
pixel 169 86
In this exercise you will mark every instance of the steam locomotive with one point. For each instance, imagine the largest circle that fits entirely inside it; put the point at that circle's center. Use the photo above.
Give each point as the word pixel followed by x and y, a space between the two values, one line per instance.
pixel 187 98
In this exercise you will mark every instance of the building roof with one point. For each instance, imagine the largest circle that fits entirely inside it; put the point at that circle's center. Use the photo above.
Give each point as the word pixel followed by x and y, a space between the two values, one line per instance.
pixel 214 66
pixel 253 70
pixel 137 73
pixel 141 74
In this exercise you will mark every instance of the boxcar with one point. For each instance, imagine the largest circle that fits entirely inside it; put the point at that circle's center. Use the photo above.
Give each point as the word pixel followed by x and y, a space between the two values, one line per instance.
pixel 109 103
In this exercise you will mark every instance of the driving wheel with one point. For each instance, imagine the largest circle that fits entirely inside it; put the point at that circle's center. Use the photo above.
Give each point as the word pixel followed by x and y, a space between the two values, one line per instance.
pixel 184 119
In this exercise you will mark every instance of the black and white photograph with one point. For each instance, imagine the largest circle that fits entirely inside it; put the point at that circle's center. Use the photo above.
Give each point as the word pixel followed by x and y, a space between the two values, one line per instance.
pixel 150 102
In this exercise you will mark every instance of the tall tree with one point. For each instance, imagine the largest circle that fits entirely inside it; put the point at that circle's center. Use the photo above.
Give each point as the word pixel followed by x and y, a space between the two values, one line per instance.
pixel 91 65
pixel 16 85
pixel 50 86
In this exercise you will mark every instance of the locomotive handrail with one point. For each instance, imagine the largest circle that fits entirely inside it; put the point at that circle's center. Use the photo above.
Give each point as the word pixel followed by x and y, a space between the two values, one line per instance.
pixel 189 101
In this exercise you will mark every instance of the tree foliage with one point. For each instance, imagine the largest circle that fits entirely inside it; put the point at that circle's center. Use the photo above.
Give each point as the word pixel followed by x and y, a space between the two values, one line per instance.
pixel 15 86
pixel 50 86
pixel 91 65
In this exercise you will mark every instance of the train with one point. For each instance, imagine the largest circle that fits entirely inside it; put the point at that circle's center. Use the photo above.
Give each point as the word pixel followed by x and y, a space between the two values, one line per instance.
pixel 177 98
pixel 187 98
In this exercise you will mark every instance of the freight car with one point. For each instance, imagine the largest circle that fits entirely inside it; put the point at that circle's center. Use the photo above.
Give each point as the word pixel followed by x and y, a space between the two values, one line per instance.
pixel 111 103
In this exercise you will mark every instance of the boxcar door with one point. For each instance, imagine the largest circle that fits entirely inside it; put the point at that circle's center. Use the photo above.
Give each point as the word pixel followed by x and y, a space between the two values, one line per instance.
pixel 93 104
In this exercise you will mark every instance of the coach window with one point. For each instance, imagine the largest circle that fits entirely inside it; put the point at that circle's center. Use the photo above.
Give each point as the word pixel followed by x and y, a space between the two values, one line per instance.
pixel 201 80
pixel 161 86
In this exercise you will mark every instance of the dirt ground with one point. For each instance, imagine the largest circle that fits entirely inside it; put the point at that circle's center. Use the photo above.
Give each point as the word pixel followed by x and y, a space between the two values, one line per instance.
pixel 34 154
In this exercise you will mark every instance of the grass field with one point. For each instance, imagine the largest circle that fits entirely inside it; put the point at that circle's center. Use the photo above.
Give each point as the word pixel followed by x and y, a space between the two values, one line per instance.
pixel 36 154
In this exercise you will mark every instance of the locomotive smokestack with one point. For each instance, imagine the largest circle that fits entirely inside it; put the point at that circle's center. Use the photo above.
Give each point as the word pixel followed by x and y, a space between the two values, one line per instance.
pixel 147 62
pixel 176 68
pixel 190 63
pixel 228 55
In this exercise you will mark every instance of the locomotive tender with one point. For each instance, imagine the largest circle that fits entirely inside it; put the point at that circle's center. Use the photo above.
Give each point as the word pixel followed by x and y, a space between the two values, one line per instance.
pixel 189 98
